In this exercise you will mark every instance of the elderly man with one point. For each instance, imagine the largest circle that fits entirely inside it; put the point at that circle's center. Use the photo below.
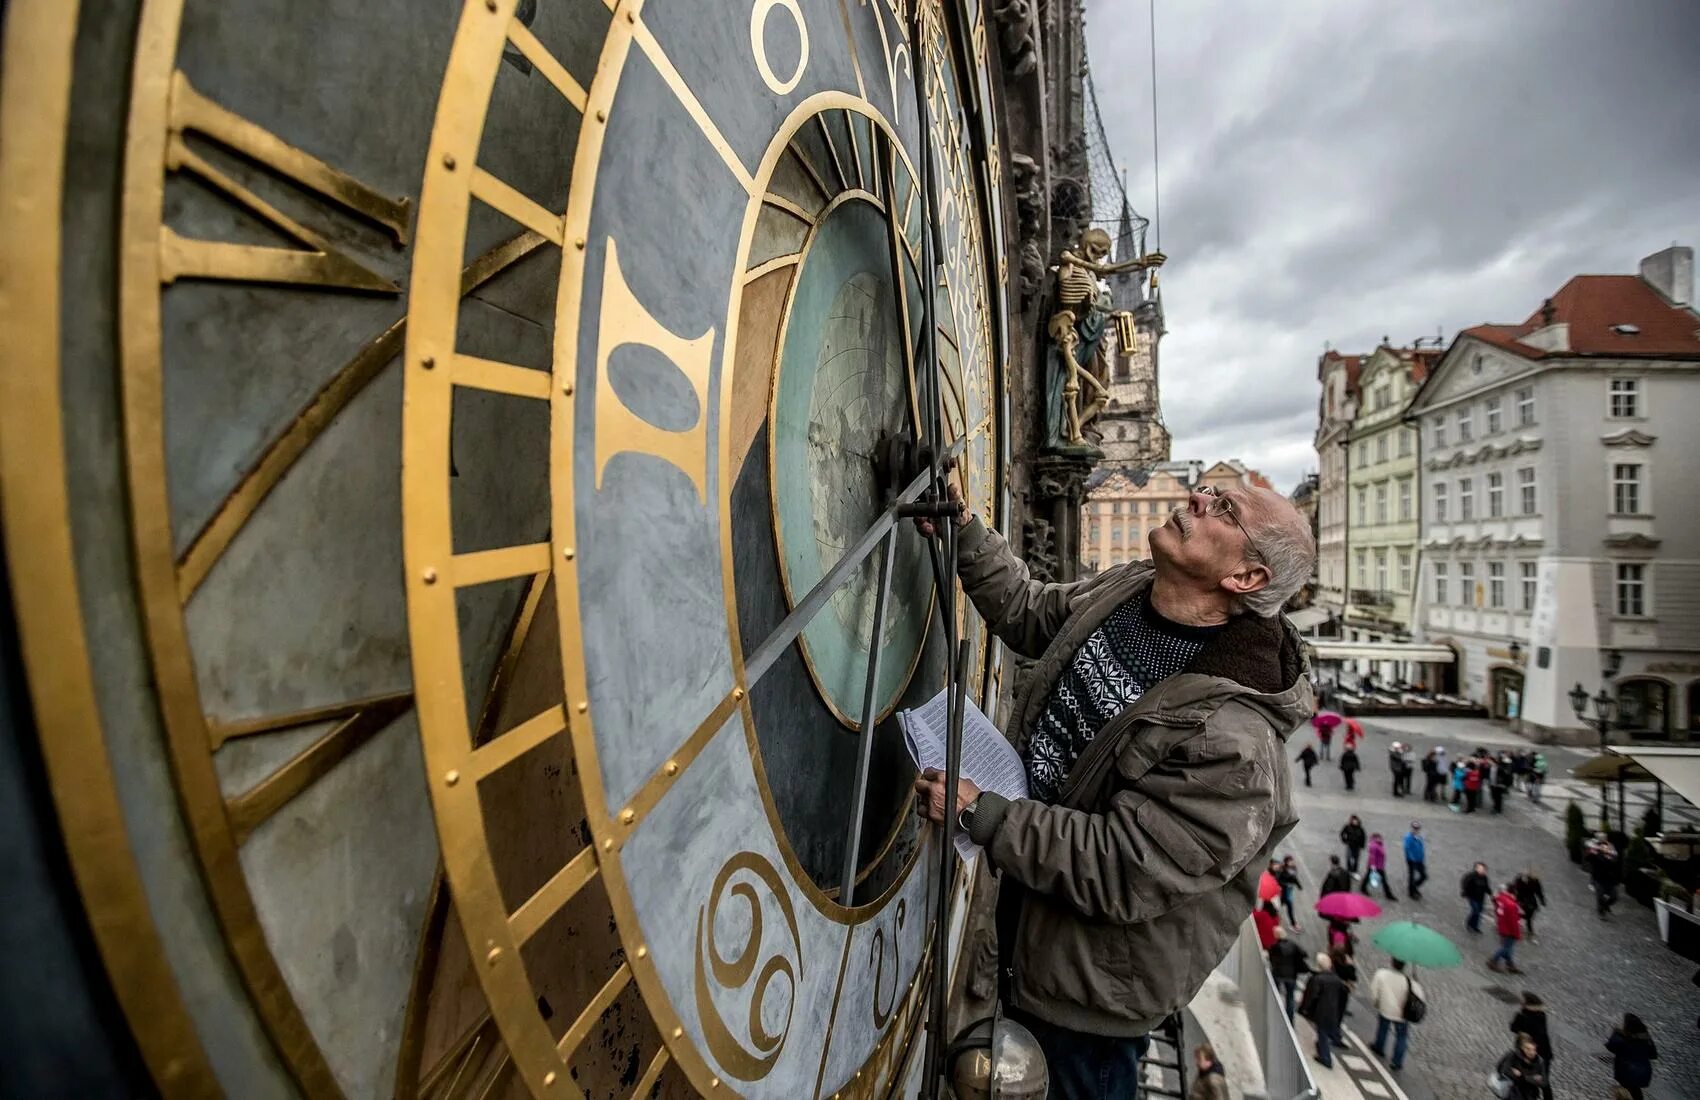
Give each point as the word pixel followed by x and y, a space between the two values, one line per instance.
pixel 1153 729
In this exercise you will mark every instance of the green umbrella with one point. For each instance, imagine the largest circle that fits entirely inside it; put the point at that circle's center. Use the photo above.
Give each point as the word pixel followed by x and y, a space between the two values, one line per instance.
pixel 1417 945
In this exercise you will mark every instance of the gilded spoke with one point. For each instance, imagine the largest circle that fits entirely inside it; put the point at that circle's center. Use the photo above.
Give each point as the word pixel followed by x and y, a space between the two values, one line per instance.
pixel 248 810
pixel 524 737
pixel 692 105
pixel 504 563
pixel 576 1034
pixel 646 1083
pixel 547 63
pixel 662 781
pixel 832 147
pixel 488 374
pixel 521 208
pixel 559 890
pixel 780 202
pixel 774 264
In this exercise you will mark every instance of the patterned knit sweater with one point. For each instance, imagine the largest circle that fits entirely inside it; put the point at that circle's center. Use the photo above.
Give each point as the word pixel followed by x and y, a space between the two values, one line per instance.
pixel 1129 652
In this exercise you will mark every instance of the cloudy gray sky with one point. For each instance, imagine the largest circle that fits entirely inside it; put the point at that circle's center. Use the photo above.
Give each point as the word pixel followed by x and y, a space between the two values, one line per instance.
pixel 1336 170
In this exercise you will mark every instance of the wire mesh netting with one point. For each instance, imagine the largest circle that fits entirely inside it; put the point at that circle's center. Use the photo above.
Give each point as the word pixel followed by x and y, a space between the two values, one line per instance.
pixel 1111 207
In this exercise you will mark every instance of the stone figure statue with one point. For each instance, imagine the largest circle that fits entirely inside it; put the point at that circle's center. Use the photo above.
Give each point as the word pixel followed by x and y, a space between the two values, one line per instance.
pixel 1078 360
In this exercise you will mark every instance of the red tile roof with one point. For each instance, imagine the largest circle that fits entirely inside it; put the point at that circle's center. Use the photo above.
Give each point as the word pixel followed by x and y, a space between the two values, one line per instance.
pixel 1592 305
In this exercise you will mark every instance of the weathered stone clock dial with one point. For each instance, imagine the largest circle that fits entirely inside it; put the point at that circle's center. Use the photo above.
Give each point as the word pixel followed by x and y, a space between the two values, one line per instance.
pixel 432 413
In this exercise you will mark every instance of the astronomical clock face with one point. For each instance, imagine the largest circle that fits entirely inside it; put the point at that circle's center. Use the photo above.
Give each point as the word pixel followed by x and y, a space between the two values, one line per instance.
pixel 439 425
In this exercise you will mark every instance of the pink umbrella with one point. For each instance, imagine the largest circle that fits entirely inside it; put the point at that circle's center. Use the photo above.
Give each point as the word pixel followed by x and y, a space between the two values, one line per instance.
pixel 1325 720
pixel 1268 889
pixel 1344 905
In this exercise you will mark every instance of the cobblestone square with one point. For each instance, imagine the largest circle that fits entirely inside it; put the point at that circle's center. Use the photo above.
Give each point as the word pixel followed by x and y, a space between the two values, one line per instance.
pixel 1589 971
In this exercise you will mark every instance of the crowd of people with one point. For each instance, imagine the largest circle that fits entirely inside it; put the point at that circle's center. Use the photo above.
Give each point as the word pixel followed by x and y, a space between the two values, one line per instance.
pixel 1319 986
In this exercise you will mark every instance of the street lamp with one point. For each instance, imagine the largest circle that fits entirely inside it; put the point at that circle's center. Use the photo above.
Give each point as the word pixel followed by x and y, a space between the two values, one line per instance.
pixel 1614 662
pixel 1603 706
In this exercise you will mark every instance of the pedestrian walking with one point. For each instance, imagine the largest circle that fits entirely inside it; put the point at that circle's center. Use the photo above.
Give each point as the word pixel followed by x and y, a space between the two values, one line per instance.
pixel 1325 736
pixel 1352 836
pixel 1605 873
pixel 1390 991
pixel 1531 1020
pixel 1531 895
pixel 1376 867
pixel 1324 1005
pixel 1407 766
pixel 1522 1073
pixel 1286 962
pixel 1394 763
pixel 1307 758
pixel 1537 776
pixel 1211 1081
pixel 1473 785
pixel 1338 880
pixel 1508 922
pixel 1633 1052
pixel 1476 889
pixel 1268 921
pixel 1416 861
pixel 1354 733
pixel 1349 767
pixel 1289 881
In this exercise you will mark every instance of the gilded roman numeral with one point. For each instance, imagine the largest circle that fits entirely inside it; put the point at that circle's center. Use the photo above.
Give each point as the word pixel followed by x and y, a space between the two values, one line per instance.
pixel 625 320
pixel 319 263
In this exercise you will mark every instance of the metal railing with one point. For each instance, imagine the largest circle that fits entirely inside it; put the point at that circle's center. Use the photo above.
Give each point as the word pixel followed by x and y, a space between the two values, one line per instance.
pixel 1286 1070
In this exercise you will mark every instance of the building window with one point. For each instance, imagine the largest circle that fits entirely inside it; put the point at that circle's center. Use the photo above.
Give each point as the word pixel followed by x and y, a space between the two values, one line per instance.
pixel 1632 591
pixel 1526 573
pixel 1467 583
pixel 1381 570
pixel 1440 571
pixel 1404 442
pixel 1404 499
pixel 1526 490
pixel 1437 431
pixel 1466 424
pixel 1404 570
pixel 1363 506
pixel 1383 396
pixel 1115 508
pixel 1496 584
pixel 1363 453
pixel 1363 564
pixel 1525 406
pixel 1381 502
pixel 1496 495
pixel 1381 447
pixel 1466 498
pixel 1440 502
pixel 1495 417
pixel 1625 398
pixel 1626 488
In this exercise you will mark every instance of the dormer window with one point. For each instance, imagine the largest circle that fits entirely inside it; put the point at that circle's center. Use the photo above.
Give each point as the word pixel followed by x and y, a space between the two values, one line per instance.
pixel 1627 330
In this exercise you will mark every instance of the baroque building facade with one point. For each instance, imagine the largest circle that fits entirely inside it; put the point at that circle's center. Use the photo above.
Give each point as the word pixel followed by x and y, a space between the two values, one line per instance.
pixel 1336 407
pixel 1556 457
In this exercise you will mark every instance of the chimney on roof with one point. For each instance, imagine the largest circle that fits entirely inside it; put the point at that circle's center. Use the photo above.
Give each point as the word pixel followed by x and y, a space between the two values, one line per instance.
pixel 1547 311
pixel 1671 273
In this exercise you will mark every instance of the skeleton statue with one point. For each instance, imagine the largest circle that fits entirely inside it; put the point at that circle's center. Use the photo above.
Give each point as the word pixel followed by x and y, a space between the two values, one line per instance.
pixel 1078 355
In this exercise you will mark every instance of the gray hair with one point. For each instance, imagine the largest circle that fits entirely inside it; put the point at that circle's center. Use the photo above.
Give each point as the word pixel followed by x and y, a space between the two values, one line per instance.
pixel 1288 551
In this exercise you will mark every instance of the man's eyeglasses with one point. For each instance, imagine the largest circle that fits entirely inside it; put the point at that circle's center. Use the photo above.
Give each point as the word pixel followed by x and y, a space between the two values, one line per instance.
pixel 1222 506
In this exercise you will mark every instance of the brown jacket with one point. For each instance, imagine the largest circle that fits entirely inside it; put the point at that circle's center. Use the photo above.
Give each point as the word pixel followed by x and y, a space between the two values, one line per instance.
pixel 1136 882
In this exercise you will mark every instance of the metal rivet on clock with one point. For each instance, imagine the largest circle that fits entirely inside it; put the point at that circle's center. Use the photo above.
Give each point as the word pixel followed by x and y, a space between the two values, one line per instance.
pixel 429 576
pixel 608 845
pixel 583 707
pixel 642 952
pixel 678 1031
pixel 567 552
pixel 428 362
pixel 494 955
pixel 549 1079
pixel 449 161
pixel 672 767
pixel 628 815
pixel 601 115
pixel 567 388
pixel 452 778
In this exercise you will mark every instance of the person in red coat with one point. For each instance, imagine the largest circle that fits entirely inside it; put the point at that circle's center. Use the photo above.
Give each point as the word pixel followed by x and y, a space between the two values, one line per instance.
pixel 1268 920
pixel 1508 921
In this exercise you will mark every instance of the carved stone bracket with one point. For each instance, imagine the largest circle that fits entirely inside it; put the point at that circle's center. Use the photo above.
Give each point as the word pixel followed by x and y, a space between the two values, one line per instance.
pixel 1059 490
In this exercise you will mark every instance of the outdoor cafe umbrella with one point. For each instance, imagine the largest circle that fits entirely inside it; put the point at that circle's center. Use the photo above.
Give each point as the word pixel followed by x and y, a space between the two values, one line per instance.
pixel 1346 905
pixel 1417 945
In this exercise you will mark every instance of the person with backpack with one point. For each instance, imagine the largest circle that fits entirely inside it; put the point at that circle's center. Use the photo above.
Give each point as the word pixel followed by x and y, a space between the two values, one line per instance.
pixel 1632 1052
pixel 1352 836
pixel 1376 867
pixel 1338 880
pixel 1288 878
pixel 1522 1074
pixel 1349 767
pixel 1501 781
pixel 1211 1083
pixel 1531 1020
pixel 1531 895
pixel 1399 1003
pixel 1508 921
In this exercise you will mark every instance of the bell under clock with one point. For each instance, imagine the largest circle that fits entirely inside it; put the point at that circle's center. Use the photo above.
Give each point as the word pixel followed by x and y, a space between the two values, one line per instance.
pixel 439 466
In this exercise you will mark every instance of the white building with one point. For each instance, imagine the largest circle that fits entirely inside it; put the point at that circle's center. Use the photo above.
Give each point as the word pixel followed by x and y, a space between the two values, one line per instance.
pixel 1557 462
pixel 1335 411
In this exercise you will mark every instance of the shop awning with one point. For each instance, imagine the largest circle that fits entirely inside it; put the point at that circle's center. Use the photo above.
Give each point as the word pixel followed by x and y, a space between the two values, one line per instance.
pixel 1309 618
pixel 1330 650
pixel 1676 768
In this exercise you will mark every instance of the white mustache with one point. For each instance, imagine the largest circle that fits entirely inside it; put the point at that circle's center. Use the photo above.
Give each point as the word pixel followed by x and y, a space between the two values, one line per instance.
pixel 1183 520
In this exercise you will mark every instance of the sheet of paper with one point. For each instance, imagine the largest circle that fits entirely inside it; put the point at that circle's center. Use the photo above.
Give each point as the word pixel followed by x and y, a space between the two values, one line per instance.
pixel 988 760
